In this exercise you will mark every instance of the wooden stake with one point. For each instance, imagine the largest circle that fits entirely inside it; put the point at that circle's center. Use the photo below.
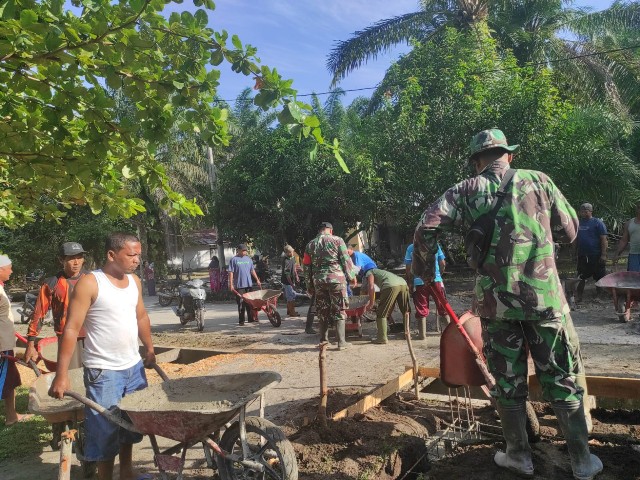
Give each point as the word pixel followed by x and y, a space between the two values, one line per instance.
pixel 66 451
pixel 407 334
pixel 324 391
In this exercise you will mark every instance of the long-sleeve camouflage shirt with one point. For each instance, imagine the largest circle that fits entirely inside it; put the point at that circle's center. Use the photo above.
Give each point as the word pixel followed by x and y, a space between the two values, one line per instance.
pixel 519 279
pixel 326 261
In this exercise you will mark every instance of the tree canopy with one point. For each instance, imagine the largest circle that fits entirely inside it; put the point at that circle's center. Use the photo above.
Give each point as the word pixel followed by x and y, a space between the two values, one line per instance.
pixel 62 142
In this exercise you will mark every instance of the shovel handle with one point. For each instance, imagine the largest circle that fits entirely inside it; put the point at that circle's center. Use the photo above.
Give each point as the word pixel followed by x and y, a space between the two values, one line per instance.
pixel 112 417
pixel 160 372
pixel 443 303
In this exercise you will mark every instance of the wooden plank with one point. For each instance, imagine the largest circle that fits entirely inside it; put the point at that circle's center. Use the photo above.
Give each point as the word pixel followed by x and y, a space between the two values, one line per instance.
pixel 426 372
pixel 608 387
pixel 377 396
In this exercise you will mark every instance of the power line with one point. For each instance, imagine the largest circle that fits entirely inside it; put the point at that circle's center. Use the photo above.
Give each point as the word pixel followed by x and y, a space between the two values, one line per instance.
pixel 505 69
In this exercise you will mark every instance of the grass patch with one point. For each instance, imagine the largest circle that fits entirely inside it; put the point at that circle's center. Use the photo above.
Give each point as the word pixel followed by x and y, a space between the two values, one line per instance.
pixel 26 438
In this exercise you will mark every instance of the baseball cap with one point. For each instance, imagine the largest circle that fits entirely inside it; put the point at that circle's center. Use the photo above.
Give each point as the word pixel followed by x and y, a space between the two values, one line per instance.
pixel 4 260
pixel 242 246
pixel 68 249
pixel 488 139
pixel 586 206
pixel 325 225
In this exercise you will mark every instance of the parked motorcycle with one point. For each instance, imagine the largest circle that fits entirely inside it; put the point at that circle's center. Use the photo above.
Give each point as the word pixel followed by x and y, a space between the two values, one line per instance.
pixel 28 306
pixel 169 290
pixel 192 296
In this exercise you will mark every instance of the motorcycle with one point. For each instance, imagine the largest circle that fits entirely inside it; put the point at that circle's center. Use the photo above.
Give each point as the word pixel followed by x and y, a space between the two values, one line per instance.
pixel 28 306
pixel 192 296
pixel 169 290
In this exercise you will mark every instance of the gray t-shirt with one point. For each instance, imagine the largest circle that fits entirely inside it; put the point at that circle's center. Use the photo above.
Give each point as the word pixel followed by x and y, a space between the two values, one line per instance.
pixel 7 330
pixel 241 268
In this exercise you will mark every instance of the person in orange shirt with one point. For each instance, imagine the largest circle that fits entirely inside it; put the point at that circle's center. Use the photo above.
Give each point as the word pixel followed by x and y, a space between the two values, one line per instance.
pixel 54 294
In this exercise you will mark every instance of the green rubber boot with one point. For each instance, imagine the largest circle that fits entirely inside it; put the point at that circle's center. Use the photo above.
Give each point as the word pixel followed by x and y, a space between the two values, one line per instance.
pixel 422 328
pixel 382 331
pixel 573 424
pixel 324 331
pixel 517 458
pixel 342 336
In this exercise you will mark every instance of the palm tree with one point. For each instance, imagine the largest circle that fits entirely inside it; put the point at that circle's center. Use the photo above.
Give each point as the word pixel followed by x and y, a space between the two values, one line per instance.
pixel 537 31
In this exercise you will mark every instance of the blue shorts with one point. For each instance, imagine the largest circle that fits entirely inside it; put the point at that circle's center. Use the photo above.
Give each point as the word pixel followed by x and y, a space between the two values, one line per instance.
pixel 289 293
pixel 107 387
pixel 633 262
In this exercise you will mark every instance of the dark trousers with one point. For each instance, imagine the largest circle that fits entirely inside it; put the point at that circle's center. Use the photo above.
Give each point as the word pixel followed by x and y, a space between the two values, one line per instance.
pixel 243 306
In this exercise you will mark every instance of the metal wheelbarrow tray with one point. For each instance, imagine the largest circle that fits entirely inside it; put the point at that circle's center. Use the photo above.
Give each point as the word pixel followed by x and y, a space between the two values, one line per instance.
pixel 265 300
pixel 625 289
pixel 357 307
pixel 188 409
pixel 54 410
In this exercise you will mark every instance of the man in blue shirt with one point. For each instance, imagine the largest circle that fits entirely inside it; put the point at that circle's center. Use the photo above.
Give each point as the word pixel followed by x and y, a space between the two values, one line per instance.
pixel 592 248
pixel 240 272
pixel 421 292
pixel 361 260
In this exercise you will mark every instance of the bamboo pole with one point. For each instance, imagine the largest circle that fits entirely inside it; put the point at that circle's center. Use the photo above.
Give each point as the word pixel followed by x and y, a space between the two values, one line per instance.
pixel 407 334
pixel 324 391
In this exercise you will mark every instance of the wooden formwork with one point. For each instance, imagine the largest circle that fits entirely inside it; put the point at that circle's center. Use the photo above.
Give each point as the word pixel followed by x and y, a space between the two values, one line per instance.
pixel 615 388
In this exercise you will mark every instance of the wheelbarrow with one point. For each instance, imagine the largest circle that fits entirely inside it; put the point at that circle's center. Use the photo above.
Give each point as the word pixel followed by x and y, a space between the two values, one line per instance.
pixel 625 289
pixel 47 349
pixel 66 417
pixel 194 410
pixel 357 307
pixel 267 301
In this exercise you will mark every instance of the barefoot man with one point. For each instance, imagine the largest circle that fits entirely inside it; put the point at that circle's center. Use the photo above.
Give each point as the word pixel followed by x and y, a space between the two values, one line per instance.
pixel 108 303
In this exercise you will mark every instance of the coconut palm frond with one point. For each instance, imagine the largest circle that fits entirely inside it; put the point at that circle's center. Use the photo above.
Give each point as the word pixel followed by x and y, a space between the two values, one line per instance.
pixel 367 44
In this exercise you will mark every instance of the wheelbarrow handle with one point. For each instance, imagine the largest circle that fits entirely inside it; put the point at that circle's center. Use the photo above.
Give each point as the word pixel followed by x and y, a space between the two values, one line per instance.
pixel 21 338
pixel 31 363
pixel 443 303
pixel 112 417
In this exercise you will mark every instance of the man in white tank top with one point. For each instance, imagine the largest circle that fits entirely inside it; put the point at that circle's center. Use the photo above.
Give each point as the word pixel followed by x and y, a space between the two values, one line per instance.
pixel 108 304
pixel 631 237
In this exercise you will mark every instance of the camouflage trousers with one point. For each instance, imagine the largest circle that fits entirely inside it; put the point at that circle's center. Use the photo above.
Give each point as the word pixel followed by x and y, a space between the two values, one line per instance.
pixel 331 302
pixel 554 348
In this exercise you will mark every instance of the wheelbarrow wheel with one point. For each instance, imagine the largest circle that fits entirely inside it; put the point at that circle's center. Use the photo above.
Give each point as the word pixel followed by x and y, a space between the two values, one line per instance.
pixel 89 469
pixel 267 445
pixel 200 319
pixel 274 317
pixel 165 299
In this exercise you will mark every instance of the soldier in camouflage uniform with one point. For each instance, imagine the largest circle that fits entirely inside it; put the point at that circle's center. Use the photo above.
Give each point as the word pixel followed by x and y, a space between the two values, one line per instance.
pixel 519 297
pixel 327 269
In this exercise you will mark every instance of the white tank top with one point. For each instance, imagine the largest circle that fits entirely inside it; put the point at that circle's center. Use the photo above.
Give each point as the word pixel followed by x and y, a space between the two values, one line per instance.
pixel 634 237
pixel 112 326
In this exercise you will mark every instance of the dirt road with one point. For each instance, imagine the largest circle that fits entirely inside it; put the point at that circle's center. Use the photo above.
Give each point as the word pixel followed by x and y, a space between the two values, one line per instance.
pixel 609 348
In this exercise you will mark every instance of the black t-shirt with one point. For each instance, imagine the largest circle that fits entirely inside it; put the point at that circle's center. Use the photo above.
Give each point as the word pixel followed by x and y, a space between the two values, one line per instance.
pixel 288 267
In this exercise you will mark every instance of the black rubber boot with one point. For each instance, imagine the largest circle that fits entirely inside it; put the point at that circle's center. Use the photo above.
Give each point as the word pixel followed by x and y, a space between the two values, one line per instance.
pixel 308 329
pixel 340 332
pixel 517 458
pixel 324 332
pixel 573 424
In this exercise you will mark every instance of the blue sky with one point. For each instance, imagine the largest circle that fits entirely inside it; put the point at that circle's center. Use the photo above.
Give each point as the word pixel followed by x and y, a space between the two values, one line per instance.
pixel 295 36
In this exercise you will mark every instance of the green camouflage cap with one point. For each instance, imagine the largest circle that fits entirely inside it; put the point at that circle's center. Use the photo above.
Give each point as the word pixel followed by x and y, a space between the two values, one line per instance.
pixel 488 139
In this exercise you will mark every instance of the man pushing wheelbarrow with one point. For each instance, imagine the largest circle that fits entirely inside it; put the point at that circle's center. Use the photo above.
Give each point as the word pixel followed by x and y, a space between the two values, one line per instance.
pixel 510 215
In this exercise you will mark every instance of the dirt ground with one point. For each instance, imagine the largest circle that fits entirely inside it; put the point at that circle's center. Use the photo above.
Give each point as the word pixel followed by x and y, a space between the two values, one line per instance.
pixel 388 442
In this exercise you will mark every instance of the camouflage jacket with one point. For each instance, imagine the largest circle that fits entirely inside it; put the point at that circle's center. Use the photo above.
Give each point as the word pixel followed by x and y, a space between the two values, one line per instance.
pixel 519 279
pixel 326 261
